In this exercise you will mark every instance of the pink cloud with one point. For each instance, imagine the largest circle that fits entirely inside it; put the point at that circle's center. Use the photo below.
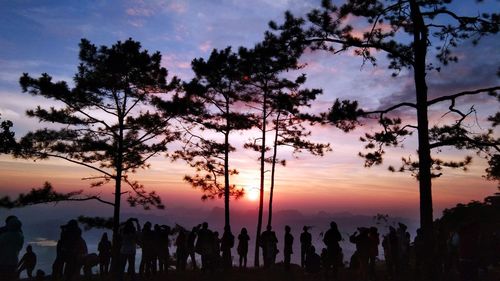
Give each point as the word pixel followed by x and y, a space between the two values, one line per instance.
pixel 177 7
pixel 205 46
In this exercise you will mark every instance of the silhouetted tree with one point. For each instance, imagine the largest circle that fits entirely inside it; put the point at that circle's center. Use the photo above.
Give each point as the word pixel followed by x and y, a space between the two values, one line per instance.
pixel 289 128
pixel 217 86
pixel 263 68
pixel 42 195
pixel 107 120
pixel 404 29
pixel 7 140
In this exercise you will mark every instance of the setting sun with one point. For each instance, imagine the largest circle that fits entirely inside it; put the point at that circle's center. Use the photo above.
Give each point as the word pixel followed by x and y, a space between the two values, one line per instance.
pixel 253 194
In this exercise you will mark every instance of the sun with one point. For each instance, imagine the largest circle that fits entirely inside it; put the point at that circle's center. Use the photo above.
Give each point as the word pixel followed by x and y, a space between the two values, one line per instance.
pixel 252 194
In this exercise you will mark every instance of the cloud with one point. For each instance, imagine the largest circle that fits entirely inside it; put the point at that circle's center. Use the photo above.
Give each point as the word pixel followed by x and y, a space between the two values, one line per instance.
pixel 178 65
pixel 205 46
pixel 177 7
pixel 139 12
pixel 43 242
pixel 138 8
pixel 136 22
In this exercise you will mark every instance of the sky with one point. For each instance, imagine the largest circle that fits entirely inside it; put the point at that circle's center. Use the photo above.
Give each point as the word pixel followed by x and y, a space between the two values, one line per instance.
pixel 43 36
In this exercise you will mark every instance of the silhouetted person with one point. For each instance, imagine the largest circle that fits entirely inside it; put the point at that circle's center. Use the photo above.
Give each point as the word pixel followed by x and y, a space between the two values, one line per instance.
pixel 313 261
pixel 11 243
pixel 227 243
pixel 181 252
pixel 362 251
pixel 129 237
pixel 89 262
pixel 403 249
pixel 214 257
pixel 391 253
pixel 331 239
pixel 58 265
pixel 418 246
pixel 4 228
pixel 374 241
pixel 162 249
pixel 305 244
pixel 324 262
pixel 243 239
pixel 288 249
pixel 27 262
pixel 191 238
pixel 148 248
pixel 268 242
pixel 104 249
pixel 71 251
pixel 205 246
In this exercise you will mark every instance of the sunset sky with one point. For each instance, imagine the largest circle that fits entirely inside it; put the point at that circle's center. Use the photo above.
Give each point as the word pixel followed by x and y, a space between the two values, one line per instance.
pixel 43 36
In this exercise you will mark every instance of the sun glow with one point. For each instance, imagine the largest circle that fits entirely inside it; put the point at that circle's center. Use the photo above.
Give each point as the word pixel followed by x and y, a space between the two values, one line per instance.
pixel 252 194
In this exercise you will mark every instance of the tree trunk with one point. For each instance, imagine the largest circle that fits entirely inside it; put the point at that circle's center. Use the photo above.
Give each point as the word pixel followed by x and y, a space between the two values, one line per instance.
pixel 226 168
pixel 116 209
pixel 116 225
pixel 262 167
pixel 424 152
pixel 273 169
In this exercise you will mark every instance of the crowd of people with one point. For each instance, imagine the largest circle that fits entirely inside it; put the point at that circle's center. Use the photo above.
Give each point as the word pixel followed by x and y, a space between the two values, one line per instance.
pixel 215 251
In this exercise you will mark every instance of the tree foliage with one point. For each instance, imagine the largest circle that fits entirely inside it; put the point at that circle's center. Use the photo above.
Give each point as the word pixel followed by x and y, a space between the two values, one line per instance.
pixel 217 88
pixel 42 195
pixel 404 30
pixel 107 121
pixel 7 140
pixel 102 124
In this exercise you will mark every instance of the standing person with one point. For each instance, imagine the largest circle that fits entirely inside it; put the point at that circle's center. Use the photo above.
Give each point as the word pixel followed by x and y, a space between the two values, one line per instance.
pixel 205 246
pixel 313 261
pixel 391 252
pixel 147 240
pixel 11 243
pixel 227 243
pixel 243 239
pixel 73 248
pixel 374 241
pixel 163 252
pixel 288 250
pixel 331 239
pixel 268 242
pixel 214 256
pixel 418 246
pixel 362 251
pixel 191 238
pixel 27 262
pixel 129 239
pixel 181 253
pixel 305 244
pixel 403 248
pixel 104 249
